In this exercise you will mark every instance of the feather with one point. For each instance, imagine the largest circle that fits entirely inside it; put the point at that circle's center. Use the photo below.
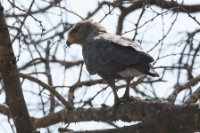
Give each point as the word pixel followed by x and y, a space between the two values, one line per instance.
pixel 109 55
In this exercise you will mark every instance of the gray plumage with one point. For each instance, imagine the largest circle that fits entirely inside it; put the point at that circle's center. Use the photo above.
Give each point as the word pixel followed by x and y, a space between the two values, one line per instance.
pixel 110 56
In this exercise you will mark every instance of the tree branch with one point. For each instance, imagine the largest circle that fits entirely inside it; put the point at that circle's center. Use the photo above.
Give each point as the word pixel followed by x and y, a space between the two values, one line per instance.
pixel 173 117
pixel 49 88
pixel 171 5
pixel 10 76
pixel 180 88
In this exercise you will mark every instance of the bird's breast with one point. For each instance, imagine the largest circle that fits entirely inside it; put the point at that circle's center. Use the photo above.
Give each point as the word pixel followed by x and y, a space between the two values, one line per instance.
pixel 130 72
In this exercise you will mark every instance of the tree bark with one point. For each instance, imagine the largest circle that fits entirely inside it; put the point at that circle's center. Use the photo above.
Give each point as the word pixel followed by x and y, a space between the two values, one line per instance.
pixel 155 117
pixel 10 77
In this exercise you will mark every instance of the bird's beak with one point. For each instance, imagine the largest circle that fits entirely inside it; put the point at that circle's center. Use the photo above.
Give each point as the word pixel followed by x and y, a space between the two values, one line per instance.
pixel 68 43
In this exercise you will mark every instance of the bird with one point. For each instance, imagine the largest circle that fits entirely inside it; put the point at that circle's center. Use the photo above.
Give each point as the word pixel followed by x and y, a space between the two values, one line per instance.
pixel 110 56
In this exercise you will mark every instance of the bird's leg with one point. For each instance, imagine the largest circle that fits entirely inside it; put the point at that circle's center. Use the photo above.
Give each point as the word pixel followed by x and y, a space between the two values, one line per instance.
pixel 126 94
pixel 114 89
pixel 116 98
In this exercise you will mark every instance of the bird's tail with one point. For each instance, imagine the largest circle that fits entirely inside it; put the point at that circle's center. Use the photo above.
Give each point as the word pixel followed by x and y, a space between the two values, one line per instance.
pixel 146 69
pixel 152 72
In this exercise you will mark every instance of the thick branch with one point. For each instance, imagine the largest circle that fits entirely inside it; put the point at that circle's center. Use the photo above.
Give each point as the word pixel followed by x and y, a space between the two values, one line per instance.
pixel 13 90
pixel 168 121
pixel 172 117
pixel 171 5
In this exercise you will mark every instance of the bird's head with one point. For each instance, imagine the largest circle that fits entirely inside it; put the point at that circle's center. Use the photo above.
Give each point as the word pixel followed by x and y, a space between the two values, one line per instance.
pixel 79 32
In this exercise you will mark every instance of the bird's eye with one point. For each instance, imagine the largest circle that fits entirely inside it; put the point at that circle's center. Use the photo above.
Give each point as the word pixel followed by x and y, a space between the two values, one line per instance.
pixel 75 30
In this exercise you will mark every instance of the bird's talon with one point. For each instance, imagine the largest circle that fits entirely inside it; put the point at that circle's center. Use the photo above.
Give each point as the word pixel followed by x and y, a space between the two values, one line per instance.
pixel 113 109
pixel 125 99
pixel 110 113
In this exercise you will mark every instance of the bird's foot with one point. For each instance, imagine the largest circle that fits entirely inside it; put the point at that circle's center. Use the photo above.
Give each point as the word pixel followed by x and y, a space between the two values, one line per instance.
pixel 112 110
pixel 126 98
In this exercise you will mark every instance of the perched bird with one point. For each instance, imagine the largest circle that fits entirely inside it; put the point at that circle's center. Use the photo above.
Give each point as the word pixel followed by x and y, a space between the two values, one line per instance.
pixel 110 56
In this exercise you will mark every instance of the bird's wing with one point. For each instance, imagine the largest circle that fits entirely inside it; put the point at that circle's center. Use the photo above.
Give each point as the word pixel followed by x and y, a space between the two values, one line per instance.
pixel 119 40
pixel 111 54
pixel 123 50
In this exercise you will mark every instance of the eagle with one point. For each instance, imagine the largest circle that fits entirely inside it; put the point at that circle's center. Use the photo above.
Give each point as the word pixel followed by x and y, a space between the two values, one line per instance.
pixel 110 56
